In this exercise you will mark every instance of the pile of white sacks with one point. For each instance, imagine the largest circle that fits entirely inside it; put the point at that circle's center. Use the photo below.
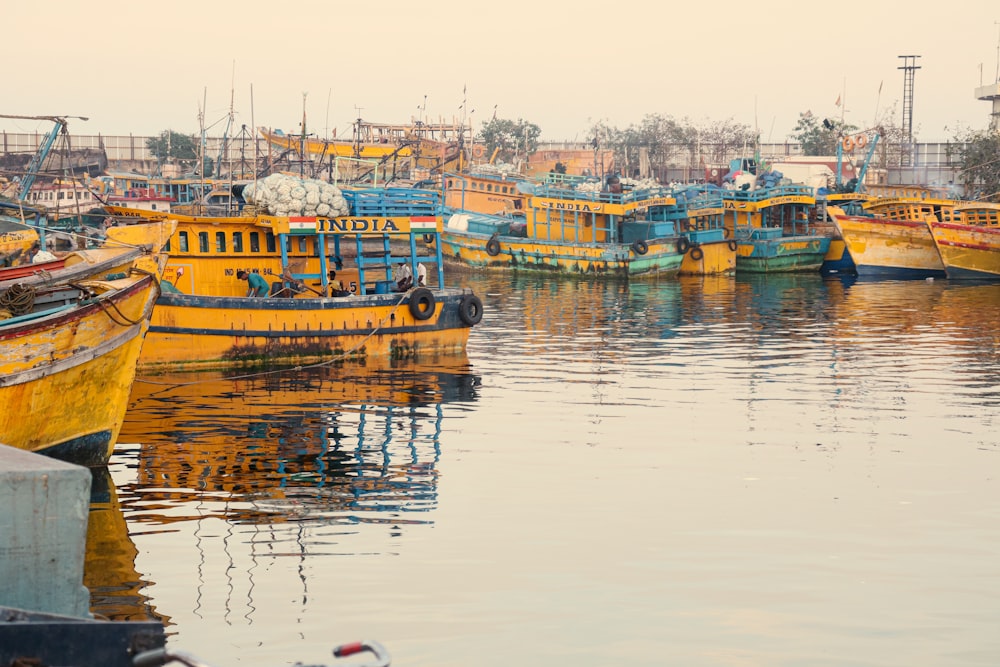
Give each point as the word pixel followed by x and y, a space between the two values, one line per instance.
pixel 280 194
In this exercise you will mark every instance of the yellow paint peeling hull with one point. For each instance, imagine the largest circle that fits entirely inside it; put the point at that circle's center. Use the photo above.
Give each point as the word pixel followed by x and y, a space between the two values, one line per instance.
pixel 65 376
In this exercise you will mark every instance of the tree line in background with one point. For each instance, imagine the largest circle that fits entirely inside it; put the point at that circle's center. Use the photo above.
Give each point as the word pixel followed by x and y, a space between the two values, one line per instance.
pixel 669 142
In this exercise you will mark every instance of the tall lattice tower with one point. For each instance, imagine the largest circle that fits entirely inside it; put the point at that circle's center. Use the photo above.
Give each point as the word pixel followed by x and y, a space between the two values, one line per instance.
pixel 991 92
pixel 909 69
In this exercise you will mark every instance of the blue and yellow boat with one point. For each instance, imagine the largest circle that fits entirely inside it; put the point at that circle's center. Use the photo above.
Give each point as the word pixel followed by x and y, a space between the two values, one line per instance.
pixel 562 225
pixel 333 286
pixel 772 229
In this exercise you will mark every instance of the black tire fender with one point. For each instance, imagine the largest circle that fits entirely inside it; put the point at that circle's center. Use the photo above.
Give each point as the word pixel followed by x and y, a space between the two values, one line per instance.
pixel 640 247
pixel 428 238
pixel 470 309
pixel 493 247
pixel 422 303
pixel 697 253
pixel 732 244
pixel 682 245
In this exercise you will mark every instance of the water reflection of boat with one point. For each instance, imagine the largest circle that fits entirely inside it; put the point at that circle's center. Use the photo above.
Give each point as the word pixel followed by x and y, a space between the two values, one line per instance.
pixel 351 438
pixel 109 565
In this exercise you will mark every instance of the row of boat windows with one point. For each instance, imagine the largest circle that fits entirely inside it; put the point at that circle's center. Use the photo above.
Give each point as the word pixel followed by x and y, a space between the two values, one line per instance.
pixel 488 187
pixel 49 195
pixel 222 244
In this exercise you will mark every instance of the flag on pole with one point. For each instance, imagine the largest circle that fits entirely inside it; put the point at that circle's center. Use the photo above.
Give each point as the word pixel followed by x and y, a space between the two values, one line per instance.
pixel 880 87
pixel 838 101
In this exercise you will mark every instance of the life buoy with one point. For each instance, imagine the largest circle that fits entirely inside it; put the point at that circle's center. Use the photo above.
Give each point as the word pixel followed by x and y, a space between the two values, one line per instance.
pixel 639 247
pixel 697 253
pixel 493 247
pixel 470 310
pixel 478 151
pixel 715 172
pixel 732 244
pixel 428 238
pixel 861 141
pixel 422 303
pixel 682 245
pixel 848 143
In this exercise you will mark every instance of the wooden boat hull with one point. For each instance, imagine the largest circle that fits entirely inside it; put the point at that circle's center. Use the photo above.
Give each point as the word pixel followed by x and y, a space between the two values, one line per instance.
pixel 212 331
pixel 888 248
pixel 968 252
pixel 781 255
pixel 709 258
pixel 65 377
pixel 513 253
pixel 838 260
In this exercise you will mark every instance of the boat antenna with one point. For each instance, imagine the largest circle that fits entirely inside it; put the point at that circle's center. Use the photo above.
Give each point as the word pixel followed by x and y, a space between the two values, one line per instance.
pixel 326 128
pixel 302 155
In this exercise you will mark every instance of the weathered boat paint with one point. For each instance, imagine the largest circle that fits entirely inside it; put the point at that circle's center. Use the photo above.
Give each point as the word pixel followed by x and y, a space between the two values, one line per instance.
pixel 968 240
pixel 889 248
pixel 66 373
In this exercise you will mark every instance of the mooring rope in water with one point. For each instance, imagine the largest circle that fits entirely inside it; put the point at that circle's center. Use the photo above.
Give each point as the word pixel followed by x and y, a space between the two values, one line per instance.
pixel 343 355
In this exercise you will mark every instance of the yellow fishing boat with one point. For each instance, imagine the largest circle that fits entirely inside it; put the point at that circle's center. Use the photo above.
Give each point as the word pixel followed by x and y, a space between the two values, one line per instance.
pixel 330 282
pixel 564 225
pixel 770 224
pixel 15 236
pixel 68 356
pixel 396 148
pixel 890 238
pixel 968 239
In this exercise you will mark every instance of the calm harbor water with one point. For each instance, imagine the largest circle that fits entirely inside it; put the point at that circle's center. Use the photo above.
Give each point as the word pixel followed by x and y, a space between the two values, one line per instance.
pixel 709 471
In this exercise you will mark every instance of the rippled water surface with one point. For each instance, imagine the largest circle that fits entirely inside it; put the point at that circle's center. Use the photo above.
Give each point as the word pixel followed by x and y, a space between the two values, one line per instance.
pixel 718 471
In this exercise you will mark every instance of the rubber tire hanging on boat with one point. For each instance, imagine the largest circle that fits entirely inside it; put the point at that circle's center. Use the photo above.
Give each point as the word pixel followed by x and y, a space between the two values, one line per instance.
pixel 682 245
pixel 639 247
pixel 428 238
pixel 697 253
pixel 732 244
pixel 493 247
pixel 470 310
pixel 422 303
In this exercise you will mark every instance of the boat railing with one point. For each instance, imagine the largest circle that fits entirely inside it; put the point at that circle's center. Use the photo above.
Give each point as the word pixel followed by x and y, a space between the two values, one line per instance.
pixel 393 202
pixel 763 194
pixel 558 191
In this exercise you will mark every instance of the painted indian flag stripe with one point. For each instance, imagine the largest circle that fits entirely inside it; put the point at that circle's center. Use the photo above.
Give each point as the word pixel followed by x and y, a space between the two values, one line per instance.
pixel 301 224
pixel 423 223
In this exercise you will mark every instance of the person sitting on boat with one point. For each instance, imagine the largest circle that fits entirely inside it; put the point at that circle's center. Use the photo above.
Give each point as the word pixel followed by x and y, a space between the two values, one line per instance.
pixel 288 286
pixel 36 255
pixel 404 276
pixel 257 285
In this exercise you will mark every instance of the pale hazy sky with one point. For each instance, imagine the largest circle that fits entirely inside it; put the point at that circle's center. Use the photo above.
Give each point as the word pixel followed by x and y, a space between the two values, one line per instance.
pixel 140 68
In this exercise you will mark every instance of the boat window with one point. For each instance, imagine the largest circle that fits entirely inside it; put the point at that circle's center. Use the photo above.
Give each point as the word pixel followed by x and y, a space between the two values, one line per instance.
pixel 220 242
pixel 237 241
pixel 254 242
pixel 202 241
pixel 489 187
pixel 183 241
pixel 302 243
pixel 271 245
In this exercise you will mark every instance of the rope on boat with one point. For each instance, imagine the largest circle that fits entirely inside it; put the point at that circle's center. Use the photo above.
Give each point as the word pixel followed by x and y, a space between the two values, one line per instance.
pixel 17 299
pixel 146 311
pixel 277 371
